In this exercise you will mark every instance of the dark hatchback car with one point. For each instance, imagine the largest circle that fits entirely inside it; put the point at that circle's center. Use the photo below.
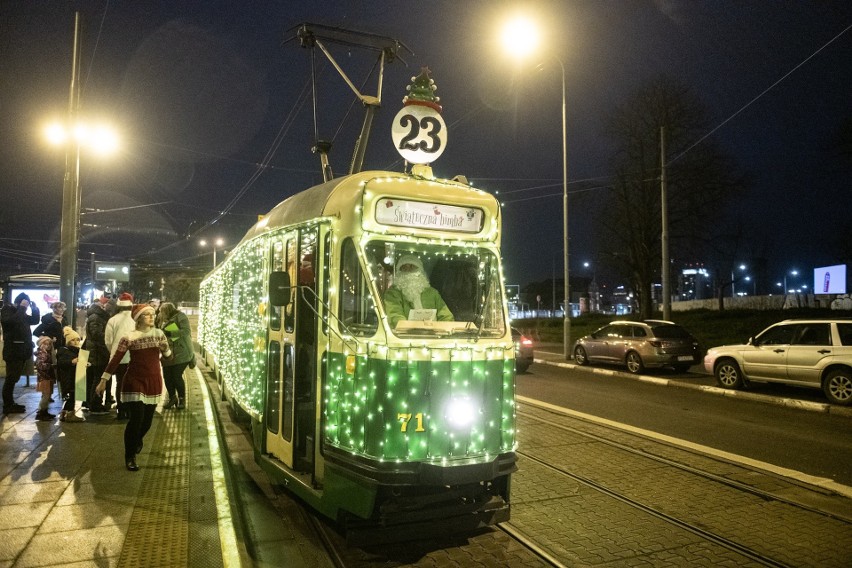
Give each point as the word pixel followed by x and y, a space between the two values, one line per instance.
pixel 640 345
pixel 523 351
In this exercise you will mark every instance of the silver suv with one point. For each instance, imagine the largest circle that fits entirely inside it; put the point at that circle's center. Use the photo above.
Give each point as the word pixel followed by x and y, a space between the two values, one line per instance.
pixel 809 353
pixel 640 344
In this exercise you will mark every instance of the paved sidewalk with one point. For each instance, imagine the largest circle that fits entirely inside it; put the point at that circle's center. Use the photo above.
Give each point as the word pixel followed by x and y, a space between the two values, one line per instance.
pixel 66 498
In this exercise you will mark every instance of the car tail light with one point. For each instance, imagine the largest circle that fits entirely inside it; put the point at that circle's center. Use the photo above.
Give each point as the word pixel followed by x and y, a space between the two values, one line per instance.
pixel 525 340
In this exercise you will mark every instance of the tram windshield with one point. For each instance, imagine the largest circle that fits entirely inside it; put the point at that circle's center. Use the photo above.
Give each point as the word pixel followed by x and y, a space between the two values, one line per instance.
pixel 437 289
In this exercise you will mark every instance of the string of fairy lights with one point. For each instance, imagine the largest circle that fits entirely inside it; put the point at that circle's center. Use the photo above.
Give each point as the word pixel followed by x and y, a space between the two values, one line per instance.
pixel 384 397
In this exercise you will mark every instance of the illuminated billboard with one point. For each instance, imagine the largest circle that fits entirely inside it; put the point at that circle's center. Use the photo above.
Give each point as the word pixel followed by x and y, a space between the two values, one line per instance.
pixel 830 279
pixel 112 271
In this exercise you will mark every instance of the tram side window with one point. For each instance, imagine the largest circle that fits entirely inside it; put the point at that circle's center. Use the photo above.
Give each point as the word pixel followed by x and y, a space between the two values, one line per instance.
pixel 277 265
pixel 489 294
pixel 289 316
pixel 357 310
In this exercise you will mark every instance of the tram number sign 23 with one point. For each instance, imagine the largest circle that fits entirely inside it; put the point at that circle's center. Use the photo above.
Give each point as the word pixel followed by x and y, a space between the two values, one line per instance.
pixel 419 134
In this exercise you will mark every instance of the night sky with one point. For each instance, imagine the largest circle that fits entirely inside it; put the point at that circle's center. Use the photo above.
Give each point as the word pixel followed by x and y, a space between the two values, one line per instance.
pixel 215 117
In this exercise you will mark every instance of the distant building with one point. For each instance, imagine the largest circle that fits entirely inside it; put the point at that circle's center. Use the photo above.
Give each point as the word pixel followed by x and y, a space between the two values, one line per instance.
pixel 694 283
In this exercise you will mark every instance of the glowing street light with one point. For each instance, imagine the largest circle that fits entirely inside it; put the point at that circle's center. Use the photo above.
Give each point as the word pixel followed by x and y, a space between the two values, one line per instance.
pixel 218 243
pixel 792 273
pixel 733 280
pixel 521 38
pixel 74 137
pixel 100 140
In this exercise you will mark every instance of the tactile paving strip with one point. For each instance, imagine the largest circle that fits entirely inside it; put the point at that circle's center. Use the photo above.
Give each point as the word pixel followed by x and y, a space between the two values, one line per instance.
pixel 163 527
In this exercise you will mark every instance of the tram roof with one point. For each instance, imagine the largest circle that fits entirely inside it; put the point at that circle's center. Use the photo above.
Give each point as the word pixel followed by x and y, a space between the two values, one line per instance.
pixel 345 193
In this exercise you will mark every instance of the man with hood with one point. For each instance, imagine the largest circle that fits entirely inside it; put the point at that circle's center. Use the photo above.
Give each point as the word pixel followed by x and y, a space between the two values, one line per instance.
pixel 411 291
pixel 17 346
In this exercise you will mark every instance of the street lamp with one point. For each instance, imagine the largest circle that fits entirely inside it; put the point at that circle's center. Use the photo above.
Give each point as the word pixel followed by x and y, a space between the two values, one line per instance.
pixel 74 135
pixel 520 38
pixel 217 243
pixel 793 273
pixel 753 283
pixel 733 280
pixel 594 295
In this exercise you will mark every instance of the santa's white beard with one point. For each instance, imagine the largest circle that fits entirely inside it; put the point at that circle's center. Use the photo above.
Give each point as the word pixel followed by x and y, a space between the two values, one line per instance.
pixel 412 285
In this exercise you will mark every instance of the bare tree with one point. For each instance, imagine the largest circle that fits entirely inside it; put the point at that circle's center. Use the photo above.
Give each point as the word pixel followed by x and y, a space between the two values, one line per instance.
pixel 700 179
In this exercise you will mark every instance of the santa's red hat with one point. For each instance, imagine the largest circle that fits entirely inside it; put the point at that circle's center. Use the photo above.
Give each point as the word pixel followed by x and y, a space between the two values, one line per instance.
pixel 125 300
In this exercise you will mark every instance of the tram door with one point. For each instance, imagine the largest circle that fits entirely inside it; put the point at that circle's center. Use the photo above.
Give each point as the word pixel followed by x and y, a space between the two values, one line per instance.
pixel 305 350
pixel 290 414
pixel 280 406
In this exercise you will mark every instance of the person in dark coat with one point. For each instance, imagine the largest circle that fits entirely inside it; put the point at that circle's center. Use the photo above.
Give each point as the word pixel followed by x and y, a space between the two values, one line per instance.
pixel 17 346
pixel 52 324
pixel 66 368
pixel 96 321
pixel 175 325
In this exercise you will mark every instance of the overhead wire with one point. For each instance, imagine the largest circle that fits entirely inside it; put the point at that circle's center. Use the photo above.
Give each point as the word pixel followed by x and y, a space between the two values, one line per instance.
pixel 766 90
pixel 95 49
pixel 690 147
pixel 259 170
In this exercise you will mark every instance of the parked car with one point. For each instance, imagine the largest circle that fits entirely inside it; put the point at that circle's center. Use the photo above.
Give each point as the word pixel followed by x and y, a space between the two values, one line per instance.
pixel 809 353
pixel 523 351
pixel 640 345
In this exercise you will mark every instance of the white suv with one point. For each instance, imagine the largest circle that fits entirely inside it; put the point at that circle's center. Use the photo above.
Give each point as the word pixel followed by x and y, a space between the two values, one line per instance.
pixel 807 353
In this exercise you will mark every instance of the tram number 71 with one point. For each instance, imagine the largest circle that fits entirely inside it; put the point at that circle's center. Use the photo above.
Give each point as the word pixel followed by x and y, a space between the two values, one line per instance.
pixel 405 418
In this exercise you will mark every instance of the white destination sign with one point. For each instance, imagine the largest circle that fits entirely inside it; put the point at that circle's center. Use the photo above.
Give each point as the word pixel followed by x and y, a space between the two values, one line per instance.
pixel 420 215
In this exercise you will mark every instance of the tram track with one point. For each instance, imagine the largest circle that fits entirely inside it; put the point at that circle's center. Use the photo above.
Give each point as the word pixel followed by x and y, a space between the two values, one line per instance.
pixel 685 525
pixel 749 548
pixel 433 552
pixel 690 469
pixel 531 545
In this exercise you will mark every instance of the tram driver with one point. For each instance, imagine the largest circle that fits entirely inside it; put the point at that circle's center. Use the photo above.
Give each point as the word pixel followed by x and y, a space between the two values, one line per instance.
pixel 411 291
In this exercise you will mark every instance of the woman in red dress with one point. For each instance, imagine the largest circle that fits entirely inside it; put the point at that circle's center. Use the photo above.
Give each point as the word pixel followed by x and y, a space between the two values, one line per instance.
pixel 142 385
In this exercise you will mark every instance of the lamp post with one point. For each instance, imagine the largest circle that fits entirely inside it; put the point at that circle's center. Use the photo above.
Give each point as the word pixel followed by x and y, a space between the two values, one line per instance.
pixel 73 136
pixel 69 232
pixel 593 287
pixel 520 38
pixel 753 284
pixel 733 280
pixel 792 272
pixel 217 243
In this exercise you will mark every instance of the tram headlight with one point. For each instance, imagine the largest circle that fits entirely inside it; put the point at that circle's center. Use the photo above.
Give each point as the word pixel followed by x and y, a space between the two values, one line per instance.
pixel 460 413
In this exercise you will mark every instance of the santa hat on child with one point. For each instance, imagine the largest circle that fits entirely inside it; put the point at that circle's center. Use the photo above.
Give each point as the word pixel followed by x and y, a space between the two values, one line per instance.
pixel 125 300
pixel 139 309
pixel 70 335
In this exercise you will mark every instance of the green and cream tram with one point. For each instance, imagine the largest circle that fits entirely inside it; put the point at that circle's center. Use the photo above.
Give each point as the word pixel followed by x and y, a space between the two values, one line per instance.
pixel 405 426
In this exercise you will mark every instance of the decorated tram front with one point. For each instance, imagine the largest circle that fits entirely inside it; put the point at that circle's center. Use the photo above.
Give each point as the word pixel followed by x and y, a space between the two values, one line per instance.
pixel 362 328
pixel 356 411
